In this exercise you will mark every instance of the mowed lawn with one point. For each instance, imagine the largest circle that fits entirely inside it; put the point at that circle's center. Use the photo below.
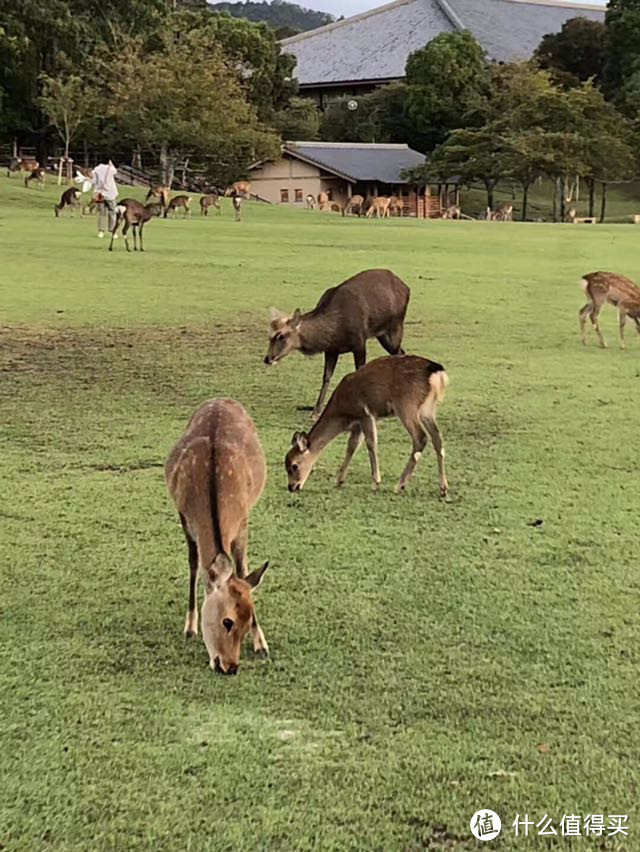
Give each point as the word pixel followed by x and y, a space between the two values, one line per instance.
pixel 429 658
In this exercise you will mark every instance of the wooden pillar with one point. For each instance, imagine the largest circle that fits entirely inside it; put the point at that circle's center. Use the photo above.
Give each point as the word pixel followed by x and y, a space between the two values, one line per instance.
pixel 349 189
pixel 427 194
pixel 457 195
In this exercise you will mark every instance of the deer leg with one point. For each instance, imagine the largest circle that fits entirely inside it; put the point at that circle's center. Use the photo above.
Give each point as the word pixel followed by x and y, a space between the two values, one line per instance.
pixel 134 228
pixel 124 234
pixel 355 439
pixel 419 440
pixel 583 313
pixel 370 432
pixel 360 355
pixel 191 622
pixel 140 235
pixel 429 423
pixel 594 320
pixel 115 231
pixel 330 361
pixel 622 318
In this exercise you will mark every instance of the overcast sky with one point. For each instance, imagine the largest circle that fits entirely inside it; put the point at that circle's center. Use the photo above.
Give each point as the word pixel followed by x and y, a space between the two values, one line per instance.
pixel 352 7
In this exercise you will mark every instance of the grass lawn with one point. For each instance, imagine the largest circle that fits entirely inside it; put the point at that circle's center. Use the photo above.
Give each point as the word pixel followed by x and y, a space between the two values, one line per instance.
pixel 429 658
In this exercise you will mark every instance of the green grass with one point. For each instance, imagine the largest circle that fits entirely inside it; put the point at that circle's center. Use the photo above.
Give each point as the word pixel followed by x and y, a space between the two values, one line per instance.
pixel 422 651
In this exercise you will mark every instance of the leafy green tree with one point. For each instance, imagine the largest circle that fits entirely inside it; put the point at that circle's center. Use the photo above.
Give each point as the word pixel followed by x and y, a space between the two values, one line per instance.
pixel 446 83
pixel 576 53
pixel 380 116
pixel 183 101
pixel 299 120
pixel 279 14
pixel 69 104
pixel 622 44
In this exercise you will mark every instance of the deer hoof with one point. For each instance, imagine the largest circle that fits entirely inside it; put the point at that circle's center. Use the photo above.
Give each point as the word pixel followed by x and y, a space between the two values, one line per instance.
pixel 399 488
pixel 262 653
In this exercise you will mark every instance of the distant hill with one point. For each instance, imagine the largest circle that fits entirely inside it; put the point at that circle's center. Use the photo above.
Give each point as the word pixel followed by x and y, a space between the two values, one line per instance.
pixel 286 18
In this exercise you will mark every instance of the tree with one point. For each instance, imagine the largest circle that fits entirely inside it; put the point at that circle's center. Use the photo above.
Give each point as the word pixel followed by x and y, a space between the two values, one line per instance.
pixel 446 83
pixel 211 115
pixel 279 14
pixel 380 116
pixel 299 120
pixel 69 105
pixel 575 54
pixel 622 45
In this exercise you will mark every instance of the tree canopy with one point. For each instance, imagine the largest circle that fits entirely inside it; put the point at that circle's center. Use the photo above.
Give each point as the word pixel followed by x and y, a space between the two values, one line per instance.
pixel 575 54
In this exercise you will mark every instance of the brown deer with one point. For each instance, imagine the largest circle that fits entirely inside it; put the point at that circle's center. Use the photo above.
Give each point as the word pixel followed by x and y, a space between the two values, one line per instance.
pixel 178 201
pixel 619 291
pixel 452 212
pixel 135 216
pixel 161 192
pixel 237 206
pixel 503 213
pixel 208 201
pixel 354 205
pixel 38 175
pixel 372 303
pixel 323 200
pixel 240 187
pixel 19 164
pixel 70 198
pixel 396 206
pixel 154 208
pixel 215 475
pixel 407 387
pixel 379 208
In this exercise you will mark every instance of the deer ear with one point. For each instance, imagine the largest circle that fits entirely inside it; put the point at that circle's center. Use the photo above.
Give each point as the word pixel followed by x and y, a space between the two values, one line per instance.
pixel 220 570
pixel 295 319
pixel 255 578
pixel 300 441
pixel 275 314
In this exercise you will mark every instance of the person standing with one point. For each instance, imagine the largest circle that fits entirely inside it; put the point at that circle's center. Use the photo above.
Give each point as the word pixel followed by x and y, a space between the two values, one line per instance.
pixel 106 189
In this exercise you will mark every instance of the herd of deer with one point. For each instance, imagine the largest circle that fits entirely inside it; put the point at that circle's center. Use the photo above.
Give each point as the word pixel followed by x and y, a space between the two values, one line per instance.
pixel 379 207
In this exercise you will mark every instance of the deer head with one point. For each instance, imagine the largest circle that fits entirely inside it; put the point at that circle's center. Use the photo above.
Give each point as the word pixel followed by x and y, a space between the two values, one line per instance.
pixel 284 335
pixel 299 461
pixel 227 612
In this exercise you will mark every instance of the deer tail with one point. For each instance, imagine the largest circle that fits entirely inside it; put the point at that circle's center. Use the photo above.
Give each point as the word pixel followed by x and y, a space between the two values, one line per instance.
pixel 438 382
pixel 584 284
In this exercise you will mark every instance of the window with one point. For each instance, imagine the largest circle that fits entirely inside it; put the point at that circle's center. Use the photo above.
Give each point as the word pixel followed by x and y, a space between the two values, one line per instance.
pixel 284 196
pixel 298 193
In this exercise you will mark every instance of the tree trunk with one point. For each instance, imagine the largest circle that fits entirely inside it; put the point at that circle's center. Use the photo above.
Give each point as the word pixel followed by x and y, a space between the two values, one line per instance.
pixel 167 164
pixel 554 207
pixel 592 196
pixel 603 206
pixel 525 199
pixel 563 208
pixel 489 186
pixel 85 148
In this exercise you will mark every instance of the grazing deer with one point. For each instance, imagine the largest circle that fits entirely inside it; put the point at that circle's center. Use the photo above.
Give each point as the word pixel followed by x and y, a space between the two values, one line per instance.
pixel 37 175
pixel 208 201
pixel 310 202
pixel 237 206
pixel 503 213
pixel 70 198
pixel 570 216
pixel 354 205
pixel 215 475
pixel 161 192
pixel 372 303
pixel 379 208
pixel 178 201
pixel 240 187
pixel 18 164
pixel 154 208
pixel 135 216
pixel 407 387
pixel 619 291
pixel 323 200
pixel 452 212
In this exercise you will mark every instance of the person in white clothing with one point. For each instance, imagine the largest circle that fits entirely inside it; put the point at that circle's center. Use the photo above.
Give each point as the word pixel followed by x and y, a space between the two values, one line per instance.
pixel 106 190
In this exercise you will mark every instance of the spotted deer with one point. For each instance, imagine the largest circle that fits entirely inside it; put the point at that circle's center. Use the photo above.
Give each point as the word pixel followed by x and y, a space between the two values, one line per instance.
pixel 372 303
pixel 621 292
pixel 407 387
pixel 379 208
pixel 503 213
pixel 215 474
pixel 240 187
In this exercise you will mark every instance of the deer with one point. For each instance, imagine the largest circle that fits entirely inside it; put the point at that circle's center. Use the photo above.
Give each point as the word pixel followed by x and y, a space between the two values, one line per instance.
pixel 372 303
pixel 38 175
pixel 154 208
pixel 179 201
pixel 70 198
pixel 310 202
pixel 240 187
pixel 379 208
pixel 452 212
pixel 208 201
pixel 237 206
pixel 503 213
pixel 161 192
pixel 134 215
pixel 215 474
pixel 18 164
pixel 396 206
pixel 407 386
pixel 323 200
pixel 618 291
pixel 354 205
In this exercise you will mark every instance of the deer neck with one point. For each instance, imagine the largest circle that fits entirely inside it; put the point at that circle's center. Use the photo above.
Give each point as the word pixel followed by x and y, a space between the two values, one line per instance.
pixel 315 333
pixel 325 430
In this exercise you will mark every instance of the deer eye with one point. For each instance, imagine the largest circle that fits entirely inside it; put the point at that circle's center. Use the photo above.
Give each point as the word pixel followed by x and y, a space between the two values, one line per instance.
pixel 228 624
pixel 294 467
pixel 280 336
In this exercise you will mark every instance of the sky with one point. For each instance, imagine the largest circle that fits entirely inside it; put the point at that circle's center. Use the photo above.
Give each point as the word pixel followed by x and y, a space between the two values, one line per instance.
pixel 352 7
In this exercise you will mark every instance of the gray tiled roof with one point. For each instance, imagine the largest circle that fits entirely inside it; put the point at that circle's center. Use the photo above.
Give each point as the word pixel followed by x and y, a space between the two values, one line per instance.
pixel 375 45
pixel 360 162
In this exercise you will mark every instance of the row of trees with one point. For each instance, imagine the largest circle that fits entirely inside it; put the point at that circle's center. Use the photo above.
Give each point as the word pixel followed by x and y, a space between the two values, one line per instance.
pixel 141 74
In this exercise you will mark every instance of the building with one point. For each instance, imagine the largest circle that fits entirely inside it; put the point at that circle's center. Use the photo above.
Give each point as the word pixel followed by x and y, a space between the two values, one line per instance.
pixel 357 54
pixel 343 169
